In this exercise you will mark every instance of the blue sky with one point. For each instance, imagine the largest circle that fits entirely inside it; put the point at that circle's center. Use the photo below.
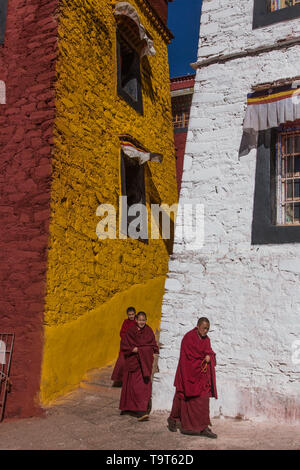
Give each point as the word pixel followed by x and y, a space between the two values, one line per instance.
pixel 184 22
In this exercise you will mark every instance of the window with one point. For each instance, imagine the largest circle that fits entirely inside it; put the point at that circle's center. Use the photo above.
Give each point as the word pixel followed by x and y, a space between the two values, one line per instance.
pixel 276 210
pixel 133 43
pixel 129 76
pixel 133 186
pixel 275 5
pixel 181 106
pixel 288 177
pixel 181 119
pixel 267 12
pixel 3 11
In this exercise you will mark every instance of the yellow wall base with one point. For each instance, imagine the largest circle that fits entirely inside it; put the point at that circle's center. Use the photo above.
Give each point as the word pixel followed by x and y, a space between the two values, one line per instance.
pixel 93 341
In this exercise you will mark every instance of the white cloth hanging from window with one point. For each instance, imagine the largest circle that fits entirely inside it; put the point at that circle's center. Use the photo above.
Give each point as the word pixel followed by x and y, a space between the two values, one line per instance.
pixel 267 109
pixel 124 8
pixel 140 155
pixel 271 109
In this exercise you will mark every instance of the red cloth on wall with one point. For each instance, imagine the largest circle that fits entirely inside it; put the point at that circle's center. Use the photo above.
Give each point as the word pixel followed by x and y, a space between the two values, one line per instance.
pixel 137 386
pixel 117 374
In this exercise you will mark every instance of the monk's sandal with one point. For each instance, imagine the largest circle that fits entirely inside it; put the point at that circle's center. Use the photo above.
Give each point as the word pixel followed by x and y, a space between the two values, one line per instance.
pixel 172 425
pixel 208 433
pixel 144 417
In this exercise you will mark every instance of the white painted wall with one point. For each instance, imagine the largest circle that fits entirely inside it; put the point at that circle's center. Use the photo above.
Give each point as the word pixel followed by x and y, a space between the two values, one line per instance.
pixel 251 294
pixel 226 27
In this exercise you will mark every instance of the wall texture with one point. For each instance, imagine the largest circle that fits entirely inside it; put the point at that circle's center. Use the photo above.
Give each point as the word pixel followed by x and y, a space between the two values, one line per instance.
pixel 63 292
pixel 27 66
pixel 226 28
pixel 249 293
pixel 83 272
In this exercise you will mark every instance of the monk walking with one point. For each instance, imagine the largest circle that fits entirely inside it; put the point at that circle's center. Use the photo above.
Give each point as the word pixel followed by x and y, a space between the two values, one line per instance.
pixel 117 375
pixel 195 383
pixel 138 346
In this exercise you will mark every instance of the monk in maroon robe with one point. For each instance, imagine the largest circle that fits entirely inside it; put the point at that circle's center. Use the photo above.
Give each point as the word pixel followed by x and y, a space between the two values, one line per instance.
pixel 117 375
pixel 138 346
pixel 195 383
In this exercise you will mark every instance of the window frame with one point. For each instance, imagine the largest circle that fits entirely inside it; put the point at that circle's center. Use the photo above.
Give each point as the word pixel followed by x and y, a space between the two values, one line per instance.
pixel 137 105
pixel 185 114
pixel 284 177
pixel 124 229
pixel 263 17
pixel 265 229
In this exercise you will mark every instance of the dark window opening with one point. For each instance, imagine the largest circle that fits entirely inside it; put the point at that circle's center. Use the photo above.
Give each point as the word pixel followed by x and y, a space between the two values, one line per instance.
pixel 267 12
pixel 129 76
pixel 3 13
pixel 133 186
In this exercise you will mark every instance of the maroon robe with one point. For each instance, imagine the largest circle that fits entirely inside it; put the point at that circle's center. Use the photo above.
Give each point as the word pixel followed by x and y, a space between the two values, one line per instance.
pixel 137 386
pixel 117 375
pixel 195 383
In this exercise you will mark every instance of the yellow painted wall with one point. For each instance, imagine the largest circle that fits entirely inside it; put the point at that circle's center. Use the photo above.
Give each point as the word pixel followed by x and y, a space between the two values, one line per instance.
pixel 77 346
pixel 84 274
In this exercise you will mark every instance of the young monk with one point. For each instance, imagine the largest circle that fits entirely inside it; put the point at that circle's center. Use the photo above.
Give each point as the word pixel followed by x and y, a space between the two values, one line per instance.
pixel 138 346
pixel 117 375
pixel 195 383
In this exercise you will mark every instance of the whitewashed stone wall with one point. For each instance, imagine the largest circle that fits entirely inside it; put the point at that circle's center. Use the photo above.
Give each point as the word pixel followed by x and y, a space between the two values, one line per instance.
pixel 226 28
pixel 251 294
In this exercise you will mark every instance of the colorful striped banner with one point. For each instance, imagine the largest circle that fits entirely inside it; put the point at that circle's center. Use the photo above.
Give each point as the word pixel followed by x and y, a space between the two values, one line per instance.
pixel 272 97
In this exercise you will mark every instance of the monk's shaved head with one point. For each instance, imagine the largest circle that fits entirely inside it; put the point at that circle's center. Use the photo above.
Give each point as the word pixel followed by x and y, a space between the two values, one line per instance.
pixel 203 320
pixel 141 314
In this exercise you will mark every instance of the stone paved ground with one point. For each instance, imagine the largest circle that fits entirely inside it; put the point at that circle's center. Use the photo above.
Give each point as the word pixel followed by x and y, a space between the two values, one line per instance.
pixel 88 418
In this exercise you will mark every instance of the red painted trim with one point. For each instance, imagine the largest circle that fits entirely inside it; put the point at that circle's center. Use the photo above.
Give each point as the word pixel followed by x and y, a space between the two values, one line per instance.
pixel 181 83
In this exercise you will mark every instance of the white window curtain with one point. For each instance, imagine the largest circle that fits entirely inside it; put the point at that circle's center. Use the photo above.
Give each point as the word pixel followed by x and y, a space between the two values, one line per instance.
pixel 267 109
pixel 140 155
pixel 272 109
